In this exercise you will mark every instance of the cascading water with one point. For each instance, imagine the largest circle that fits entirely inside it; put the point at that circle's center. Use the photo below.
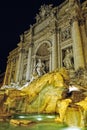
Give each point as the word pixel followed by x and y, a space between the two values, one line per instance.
pixel 44 96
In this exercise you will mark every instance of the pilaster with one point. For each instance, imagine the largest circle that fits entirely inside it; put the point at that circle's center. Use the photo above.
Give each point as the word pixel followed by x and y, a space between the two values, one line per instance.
pixel 28 72
pixel 10 72
pixel 84 38
pixel 6 76
pixel 59 53
pixel 18 74
pixel 77 44
pixel 54 46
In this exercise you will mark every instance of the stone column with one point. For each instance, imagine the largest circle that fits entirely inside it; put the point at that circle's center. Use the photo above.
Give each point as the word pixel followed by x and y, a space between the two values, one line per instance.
pixel 85 17
pixel 6 75
pixel 54 48
pixel 28 72
pixel 54 52
pixel 59 54
pixel 17 58
pixel 19 66
pixel 50 62
pixel 86 22
pixel 84 38
pixel 9 78
pixel 77 44
pixel 50 59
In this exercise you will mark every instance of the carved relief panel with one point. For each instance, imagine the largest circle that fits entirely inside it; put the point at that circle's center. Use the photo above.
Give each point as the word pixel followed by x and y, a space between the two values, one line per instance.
pixel 65 34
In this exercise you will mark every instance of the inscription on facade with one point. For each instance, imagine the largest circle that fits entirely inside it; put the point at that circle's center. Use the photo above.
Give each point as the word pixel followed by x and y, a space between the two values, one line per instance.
pixel 41 26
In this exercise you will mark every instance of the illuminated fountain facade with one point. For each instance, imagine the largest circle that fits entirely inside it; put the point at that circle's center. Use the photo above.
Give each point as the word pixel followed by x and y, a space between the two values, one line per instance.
pixel 51 57
pixel 58 39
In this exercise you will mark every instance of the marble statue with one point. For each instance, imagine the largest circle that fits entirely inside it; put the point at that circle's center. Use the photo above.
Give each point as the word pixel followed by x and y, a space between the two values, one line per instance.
pixel 68 59
pixel 40 68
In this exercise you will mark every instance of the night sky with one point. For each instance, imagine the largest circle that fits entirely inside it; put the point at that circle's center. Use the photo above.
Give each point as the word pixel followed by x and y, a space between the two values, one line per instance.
pixel 15 18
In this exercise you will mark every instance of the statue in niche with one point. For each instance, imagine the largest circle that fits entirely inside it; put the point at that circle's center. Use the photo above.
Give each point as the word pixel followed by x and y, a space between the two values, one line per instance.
pixel 40 68
pixel 67 61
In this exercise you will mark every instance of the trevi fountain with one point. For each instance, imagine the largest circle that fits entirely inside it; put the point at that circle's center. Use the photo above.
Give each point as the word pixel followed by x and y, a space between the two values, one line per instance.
pixel 45 83
pixel 55 98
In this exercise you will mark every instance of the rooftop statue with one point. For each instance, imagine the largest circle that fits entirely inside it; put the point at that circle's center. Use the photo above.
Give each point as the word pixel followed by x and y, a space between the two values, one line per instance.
pixel 45 11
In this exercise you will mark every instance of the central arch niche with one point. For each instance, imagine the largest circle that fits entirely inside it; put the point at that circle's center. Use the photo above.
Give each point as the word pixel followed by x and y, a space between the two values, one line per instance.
pixel 44 54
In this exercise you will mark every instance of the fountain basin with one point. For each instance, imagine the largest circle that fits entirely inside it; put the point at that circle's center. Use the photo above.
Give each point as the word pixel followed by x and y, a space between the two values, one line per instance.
pixel 35 122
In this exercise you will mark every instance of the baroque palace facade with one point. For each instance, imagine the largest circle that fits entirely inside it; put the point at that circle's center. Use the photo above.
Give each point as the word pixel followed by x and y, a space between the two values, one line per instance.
pixel 58 39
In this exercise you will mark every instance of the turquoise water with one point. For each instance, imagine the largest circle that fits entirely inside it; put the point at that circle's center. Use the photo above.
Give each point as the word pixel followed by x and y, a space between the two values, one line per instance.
pixel 41 122
pixel 37 126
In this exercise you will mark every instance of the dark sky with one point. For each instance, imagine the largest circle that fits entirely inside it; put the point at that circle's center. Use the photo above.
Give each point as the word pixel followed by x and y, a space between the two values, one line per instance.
pixel 15 18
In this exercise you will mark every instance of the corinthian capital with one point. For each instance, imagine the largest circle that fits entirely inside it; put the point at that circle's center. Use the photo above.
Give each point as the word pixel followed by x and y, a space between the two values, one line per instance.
pixel 81 21
pixel 73 19
pixel 31 44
